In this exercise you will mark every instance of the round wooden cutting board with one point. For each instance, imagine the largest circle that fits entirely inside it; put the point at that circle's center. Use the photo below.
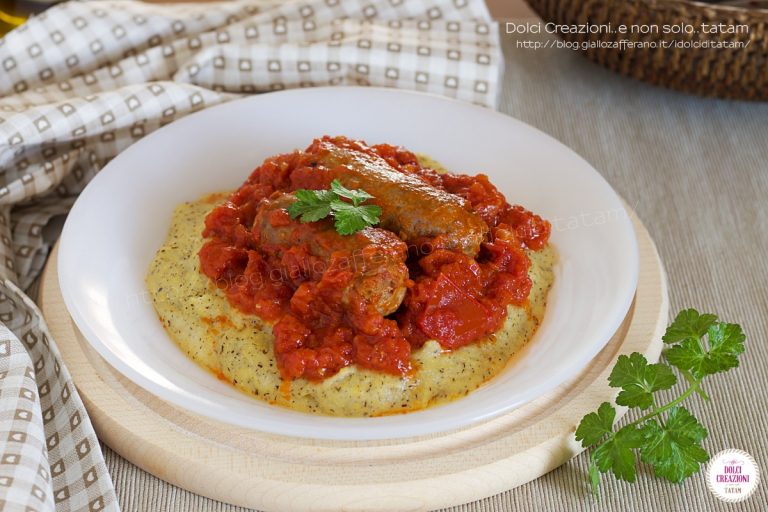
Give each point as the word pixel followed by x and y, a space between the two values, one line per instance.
pixel 270 472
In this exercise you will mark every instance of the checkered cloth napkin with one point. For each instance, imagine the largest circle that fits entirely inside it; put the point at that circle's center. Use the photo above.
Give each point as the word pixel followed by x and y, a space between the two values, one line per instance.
pixel 83 81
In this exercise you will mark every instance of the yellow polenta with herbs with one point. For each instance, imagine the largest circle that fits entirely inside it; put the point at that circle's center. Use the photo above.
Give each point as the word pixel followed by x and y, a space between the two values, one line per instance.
pixel 324 339
pixel 239 347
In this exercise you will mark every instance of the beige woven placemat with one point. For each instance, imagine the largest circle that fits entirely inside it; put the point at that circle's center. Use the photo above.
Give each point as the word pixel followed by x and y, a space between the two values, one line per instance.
pixel 696 171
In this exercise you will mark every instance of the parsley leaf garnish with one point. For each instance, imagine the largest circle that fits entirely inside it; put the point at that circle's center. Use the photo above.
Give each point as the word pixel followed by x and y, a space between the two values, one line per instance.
pixel 726 343
pixel 616 454
pixel 668 437
pixel 596 425
pixel 638 380
pixel 351 218
pixel 674 448
pixel 688 325
pixel 314 205
pixel 357 196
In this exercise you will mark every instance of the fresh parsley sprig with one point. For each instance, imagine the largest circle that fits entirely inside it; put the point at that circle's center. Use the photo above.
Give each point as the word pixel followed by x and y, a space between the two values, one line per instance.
pixel 313 205
pixel 668 436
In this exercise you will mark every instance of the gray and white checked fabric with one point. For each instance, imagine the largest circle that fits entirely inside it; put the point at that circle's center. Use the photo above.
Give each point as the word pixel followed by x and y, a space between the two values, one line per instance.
pixel 83 81
pixel 49 456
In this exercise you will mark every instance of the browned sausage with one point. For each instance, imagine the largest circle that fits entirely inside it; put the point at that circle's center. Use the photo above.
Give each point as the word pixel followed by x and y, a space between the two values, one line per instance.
pixel 411 208
pixel 375 256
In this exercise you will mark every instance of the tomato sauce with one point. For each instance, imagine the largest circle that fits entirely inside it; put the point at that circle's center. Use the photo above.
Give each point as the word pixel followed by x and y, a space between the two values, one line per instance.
pixel 451 297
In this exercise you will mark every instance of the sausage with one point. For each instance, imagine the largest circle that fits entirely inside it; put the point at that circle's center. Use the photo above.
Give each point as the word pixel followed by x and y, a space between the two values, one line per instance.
pixel 375 256
pixel 411 208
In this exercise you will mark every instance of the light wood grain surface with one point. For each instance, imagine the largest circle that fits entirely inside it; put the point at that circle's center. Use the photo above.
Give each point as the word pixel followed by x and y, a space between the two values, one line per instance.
pixel 268 472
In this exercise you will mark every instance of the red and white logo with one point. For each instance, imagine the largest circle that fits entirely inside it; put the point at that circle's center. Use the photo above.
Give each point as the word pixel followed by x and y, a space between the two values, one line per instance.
pixel 733 475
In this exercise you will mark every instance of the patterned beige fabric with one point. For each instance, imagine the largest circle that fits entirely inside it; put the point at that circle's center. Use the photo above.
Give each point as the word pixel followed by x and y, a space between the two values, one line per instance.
pixel 85 80
pixel 48 452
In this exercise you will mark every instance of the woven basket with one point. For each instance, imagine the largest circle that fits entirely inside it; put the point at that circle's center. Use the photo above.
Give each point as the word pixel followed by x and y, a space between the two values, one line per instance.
pixel 736 73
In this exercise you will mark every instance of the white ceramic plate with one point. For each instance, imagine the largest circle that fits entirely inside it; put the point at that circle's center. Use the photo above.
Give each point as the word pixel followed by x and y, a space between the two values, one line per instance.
pixel 122 217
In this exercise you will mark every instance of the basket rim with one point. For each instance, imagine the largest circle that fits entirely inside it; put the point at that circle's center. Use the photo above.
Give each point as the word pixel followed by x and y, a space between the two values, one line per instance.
pixel 763 12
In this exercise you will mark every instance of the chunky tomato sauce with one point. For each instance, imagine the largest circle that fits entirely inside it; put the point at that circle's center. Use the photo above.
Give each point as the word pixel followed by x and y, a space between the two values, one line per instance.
pixel 319 327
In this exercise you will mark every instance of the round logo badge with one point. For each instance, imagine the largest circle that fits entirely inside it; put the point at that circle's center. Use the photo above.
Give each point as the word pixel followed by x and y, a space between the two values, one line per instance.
pixel 733 475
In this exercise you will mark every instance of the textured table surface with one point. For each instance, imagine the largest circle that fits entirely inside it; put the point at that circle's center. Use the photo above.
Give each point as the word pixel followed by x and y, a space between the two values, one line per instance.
pixel 696 172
